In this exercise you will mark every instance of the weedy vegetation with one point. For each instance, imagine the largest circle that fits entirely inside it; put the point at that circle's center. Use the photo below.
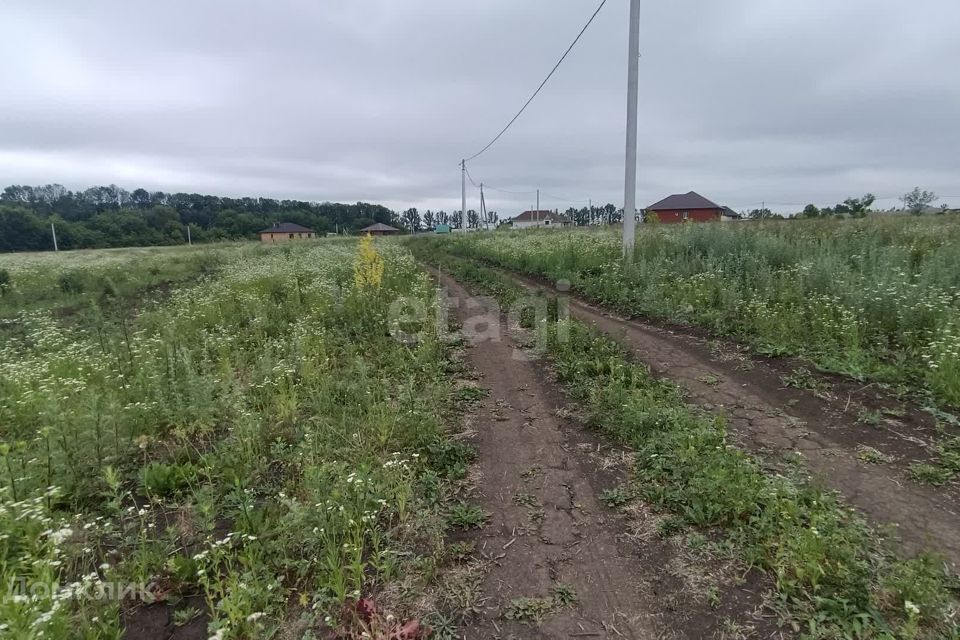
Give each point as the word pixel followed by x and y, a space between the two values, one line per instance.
pixel 231 423
pixel 877 298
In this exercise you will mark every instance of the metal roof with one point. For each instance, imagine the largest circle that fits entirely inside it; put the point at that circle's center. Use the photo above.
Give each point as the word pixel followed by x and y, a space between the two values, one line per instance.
pixel 691 200
pixel 543 214
pixel 379 226
pixel 286 227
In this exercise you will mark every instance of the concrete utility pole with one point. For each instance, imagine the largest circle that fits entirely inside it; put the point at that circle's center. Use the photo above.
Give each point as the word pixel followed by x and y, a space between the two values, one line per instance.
pixel 630 178
pixel 189 239
pixel 537 214
pixel 463 192
pixel 53 230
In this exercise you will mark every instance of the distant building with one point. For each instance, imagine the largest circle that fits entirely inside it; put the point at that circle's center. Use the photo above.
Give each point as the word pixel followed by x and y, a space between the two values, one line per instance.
pixel 285 232
pixel 442 228
pixel 542 218
pixel 690 207
pixel 379 229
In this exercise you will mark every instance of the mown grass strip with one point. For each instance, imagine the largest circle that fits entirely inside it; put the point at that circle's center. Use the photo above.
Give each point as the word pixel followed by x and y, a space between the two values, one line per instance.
pixel 834 576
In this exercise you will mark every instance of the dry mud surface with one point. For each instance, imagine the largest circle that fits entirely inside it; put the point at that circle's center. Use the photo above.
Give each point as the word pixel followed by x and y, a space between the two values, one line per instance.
pixel 539 476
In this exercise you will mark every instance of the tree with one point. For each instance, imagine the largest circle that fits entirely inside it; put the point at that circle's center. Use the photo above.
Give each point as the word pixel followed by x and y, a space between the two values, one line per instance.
pixel 442 217
pixel 142 218
pixel 473 220
pixel 609 212
pixel 856 207
pixel 810 211
pixel 456 219
pixel 916 201
pixel 140 198
pixel 411 218
pixel 760 214
pixel 429 220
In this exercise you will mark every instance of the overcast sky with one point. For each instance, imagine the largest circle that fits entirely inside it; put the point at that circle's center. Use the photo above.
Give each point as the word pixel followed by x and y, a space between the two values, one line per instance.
pixel 744 101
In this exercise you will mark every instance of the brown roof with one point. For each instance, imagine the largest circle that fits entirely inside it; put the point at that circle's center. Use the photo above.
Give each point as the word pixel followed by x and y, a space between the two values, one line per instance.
pixel 379 226
pixel 286 227
pixel 691 200
pixel 543 214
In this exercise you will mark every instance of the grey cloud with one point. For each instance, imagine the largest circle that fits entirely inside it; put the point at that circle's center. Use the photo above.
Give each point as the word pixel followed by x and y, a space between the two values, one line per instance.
pixel 742 100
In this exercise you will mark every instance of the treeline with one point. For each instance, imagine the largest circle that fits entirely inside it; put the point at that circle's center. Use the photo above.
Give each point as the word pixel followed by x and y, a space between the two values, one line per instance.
pixel 114 217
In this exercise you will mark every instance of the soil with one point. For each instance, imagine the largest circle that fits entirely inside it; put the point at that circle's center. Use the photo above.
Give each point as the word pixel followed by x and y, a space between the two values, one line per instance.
pixel 541 476
pixel 156 621
pixel 824 425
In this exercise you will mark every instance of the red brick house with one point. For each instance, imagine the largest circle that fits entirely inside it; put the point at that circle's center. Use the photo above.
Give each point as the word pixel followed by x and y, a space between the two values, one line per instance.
pixel 689 207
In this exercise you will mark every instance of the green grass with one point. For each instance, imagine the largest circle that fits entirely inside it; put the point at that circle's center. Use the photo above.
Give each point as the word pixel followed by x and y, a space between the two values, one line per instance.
pixel 877 298
pixel 466 516
pixel 833 576
pixel 254 435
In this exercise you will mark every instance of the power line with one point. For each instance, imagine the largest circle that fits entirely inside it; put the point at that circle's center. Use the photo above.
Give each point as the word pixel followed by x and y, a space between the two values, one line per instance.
pixel 555 67
pixel 471 177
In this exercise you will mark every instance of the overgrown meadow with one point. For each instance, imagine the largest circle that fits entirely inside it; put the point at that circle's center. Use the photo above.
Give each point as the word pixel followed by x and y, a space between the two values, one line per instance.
pixel 232 429
pixel 877 298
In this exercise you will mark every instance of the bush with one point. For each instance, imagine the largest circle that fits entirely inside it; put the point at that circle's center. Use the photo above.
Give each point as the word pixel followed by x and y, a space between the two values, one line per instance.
pixel 71 282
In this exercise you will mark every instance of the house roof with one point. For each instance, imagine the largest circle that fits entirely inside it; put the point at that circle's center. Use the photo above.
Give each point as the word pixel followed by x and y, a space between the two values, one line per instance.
pixel 543 214
pixel 379 226
pixel 286 227
pixel 691 200
pixel 730 213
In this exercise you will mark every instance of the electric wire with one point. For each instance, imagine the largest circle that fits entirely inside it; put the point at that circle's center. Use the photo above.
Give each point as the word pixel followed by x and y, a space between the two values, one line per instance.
pixel 542 84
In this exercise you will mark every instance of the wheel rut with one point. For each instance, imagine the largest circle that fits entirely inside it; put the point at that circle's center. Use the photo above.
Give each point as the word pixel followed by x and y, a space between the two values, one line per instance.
pixel 540 477
pixel 816 430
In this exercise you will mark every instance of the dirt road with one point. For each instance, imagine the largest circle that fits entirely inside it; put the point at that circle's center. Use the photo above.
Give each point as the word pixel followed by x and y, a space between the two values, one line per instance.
pixel 564 565
pixel 817 428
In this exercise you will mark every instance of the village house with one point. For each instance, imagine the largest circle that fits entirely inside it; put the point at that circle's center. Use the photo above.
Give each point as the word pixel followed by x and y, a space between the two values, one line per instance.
pixel 285 232
pixel 689 207
pixel 542 218
pixel 379 229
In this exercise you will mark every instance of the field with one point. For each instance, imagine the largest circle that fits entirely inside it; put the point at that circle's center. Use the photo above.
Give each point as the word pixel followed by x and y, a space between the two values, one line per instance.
pixel 315 441
pixel 873 299
pixel 232 430
pixel 785 450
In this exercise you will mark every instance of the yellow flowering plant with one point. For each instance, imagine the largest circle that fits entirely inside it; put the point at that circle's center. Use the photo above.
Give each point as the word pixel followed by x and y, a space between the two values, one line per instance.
pixel 368 267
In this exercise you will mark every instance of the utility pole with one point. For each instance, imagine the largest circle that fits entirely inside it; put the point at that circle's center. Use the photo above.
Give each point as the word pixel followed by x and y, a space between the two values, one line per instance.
pixel 463 192
pixel 630 178
pixel 53 230
pixel 538 207
pixel 189 239
pixel 483 210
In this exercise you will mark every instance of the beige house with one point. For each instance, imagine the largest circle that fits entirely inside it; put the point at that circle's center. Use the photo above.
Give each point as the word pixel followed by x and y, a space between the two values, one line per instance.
pixel 285 232
pixel 542 218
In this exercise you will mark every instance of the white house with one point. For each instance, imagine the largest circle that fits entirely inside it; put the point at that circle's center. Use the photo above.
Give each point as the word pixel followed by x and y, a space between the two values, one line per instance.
pixel 543 218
